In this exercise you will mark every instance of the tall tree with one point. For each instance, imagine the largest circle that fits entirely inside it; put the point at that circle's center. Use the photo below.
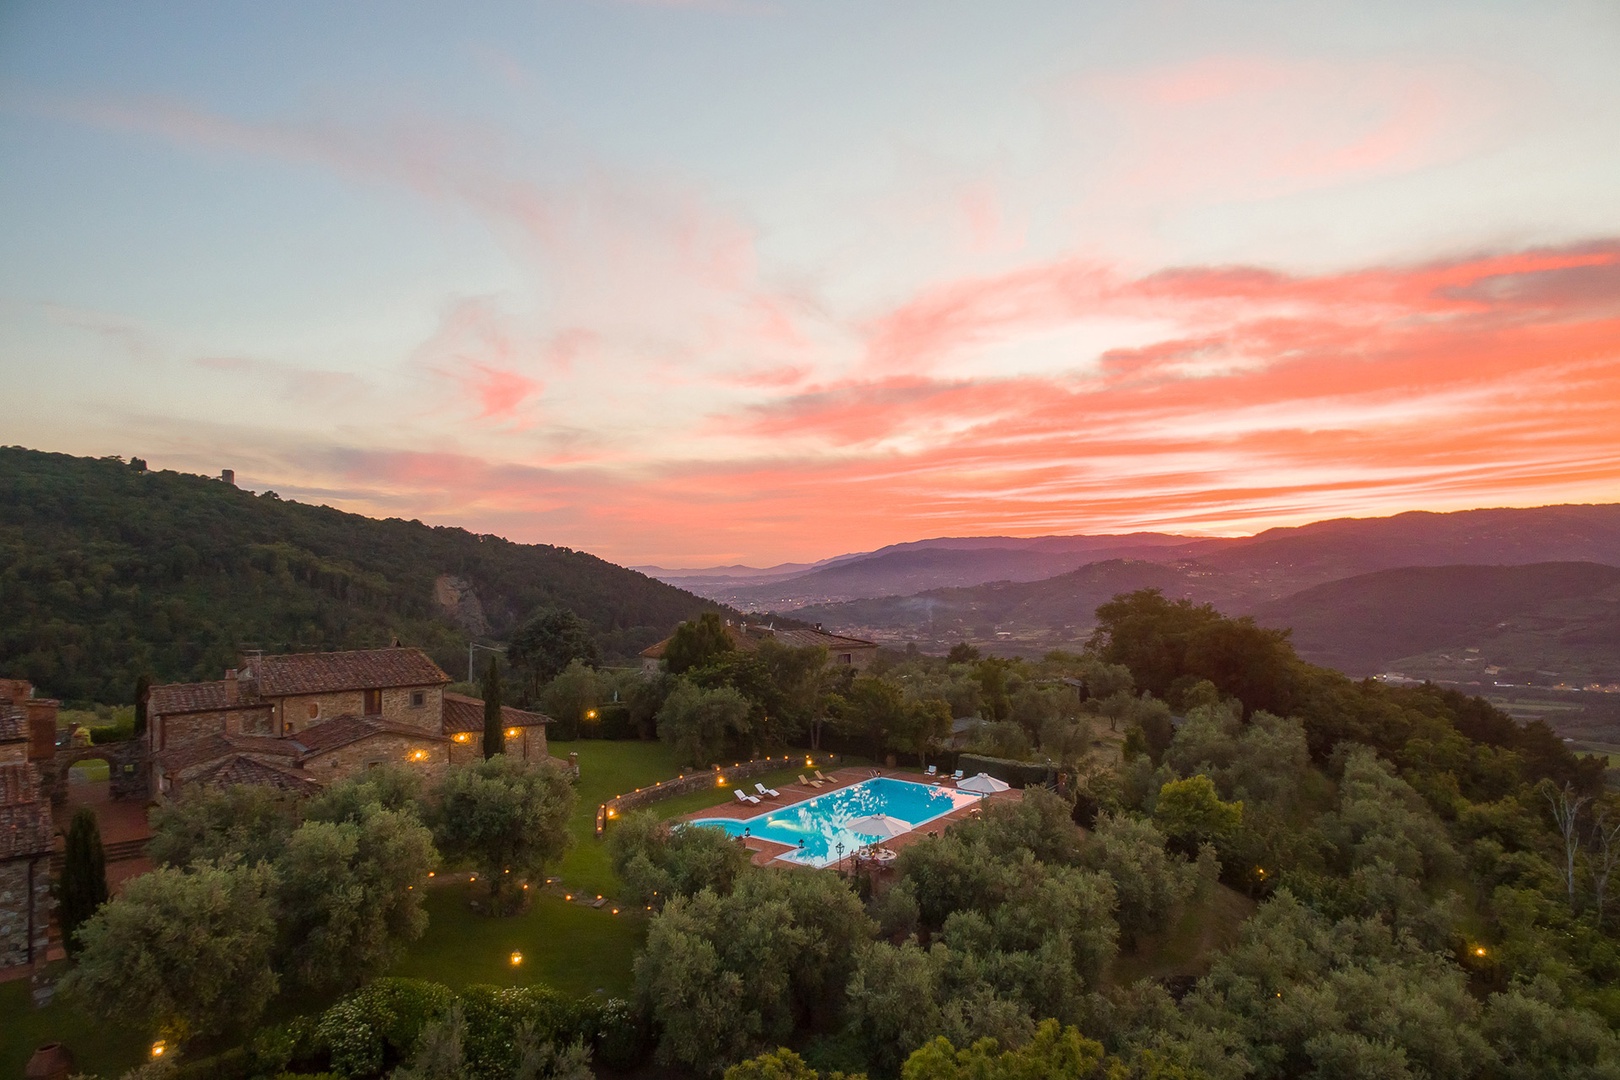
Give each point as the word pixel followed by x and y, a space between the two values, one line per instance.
pixel 1566 807
pixel 494 728
pixel 702 724
pixel 83 887
pixel 544 646
pixel 506 818
pixel 696 644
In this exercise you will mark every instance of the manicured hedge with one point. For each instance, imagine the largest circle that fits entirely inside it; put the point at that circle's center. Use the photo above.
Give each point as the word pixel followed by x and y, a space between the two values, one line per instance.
pixel 1020 774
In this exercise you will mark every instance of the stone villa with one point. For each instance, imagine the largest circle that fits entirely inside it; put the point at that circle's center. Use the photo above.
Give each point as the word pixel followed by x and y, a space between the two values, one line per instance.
pixel 842 652
pixel 304 720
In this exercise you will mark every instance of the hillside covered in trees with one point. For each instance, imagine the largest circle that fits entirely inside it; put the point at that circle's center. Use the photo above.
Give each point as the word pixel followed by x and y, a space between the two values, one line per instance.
pixel 109 571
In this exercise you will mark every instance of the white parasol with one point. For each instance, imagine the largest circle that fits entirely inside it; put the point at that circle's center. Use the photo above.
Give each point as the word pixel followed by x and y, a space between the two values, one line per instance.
pixel 982 784
pixel 879 826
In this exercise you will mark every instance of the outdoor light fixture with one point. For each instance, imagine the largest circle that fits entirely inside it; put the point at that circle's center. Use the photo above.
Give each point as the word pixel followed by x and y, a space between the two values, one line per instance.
pixel 158 1048
pixel 517 958
pixel 511 733
pixel 590 714
pixel 1479 950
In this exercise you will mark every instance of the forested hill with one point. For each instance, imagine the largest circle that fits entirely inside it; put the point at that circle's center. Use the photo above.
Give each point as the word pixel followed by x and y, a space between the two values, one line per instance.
pixel 108 571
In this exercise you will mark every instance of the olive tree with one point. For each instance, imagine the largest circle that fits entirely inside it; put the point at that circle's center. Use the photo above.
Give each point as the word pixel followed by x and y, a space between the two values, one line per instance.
pixel 348 895
pixel 181 954
pixel 504 817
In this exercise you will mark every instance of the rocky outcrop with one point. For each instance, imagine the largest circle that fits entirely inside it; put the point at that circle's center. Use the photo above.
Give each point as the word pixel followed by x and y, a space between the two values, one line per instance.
pixel 459 603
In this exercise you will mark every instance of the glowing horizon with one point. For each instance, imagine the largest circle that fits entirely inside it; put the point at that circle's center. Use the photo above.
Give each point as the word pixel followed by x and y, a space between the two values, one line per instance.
pixel 694 284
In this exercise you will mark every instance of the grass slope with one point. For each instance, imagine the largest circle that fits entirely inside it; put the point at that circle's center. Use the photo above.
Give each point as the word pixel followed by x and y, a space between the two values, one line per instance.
pixel 1558 616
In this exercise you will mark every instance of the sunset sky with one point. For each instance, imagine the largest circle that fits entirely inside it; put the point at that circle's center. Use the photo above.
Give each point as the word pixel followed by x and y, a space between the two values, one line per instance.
pixel 750 281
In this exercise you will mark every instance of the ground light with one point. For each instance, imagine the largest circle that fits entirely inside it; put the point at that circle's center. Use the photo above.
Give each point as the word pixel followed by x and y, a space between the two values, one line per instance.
pixel 158 1048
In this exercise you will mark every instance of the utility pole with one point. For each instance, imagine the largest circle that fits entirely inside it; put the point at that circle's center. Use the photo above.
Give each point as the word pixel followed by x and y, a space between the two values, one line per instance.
pixel 471 645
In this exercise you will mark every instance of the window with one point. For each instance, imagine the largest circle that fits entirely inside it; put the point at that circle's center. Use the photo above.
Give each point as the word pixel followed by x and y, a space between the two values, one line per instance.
pixel 844 658
pixel 314 710
pixel 373 702
pixel 418 699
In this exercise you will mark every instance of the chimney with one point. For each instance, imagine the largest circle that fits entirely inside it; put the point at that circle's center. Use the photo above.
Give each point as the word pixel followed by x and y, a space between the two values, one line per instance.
pixel 41 727
pixel 229 476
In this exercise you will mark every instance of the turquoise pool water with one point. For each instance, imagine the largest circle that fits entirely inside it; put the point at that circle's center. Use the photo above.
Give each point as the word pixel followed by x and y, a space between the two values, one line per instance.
pixel 814 828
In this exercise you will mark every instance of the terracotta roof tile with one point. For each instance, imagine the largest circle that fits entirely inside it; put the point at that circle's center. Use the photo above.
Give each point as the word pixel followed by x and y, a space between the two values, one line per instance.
pixel 242 769
pixel 171 698
pixel 462 713
pixel 325 673
pixel 177 759
pixel 25 815
pixel 13 724
pixel 343 730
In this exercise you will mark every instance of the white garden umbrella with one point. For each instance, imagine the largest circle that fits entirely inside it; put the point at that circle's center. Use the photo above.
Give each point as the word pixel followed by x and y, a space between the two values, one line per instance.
pixel 880 826
pixel 983 784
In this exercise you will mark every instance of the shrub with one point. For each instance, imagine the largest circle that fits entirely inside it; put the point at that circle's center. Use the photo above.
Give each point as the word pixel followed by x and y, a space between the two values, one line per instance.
pixel 380 1024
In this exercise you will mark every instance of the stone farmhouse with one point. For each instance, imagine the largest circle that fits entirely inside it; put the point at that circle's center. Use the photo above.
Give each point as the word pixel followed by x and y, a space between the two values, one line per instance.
pixel 26 833
pixel 842 652
pixel 304 720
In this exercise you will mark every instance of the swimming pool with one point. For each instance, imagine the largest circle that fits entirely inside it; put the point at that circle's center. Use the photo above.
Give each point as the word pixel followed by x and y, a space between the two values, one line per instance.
pixel 814 828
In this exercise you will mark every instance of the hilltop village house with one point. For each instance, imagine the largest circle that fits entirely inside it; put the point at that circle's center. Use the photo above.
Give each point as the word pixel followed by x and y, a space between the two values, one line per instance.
pixel 307 719
pixel 842 652
pixel 27 735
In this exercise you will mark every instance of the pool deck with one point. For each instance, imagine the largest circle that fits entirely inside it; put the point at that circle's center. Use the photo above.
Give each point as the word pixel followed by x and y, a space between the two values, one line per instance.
pixel 767 852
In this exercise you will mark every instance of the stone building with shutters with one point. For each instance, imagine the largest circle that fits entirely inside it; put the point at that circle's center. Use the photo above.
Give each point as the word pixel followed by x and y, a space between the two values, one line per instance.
pixel 303 720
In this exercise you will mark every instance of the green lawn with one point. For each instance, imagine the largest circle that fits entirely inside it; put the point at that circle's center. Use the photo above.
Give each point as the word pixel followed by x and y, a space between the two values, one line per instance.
pixel 104 1049
pixel 606 769
pixel 573 948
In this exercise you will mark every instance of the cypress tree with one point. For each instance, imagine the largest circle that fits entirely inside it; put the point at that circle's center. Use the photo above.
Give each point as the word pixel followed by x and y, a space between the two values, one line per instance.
pixel 494 728
pixel 83 887
pixel 142 685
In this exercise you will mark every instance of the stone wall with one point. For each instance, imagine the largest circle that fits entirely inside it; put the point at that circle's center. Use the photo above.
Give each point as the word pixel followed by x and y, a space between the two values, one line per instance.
pixel 129 769
pixel 293 711
pixel 431 756
pixel 178 729
pixel 714 777
pixel 17 902
pixel 529 744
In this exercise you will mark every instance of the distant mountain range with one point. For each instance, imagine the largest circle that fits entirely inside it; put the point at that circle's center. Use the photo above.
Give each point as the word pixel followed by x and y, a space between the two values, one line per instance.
pixel 1529 591
pixel 1269 565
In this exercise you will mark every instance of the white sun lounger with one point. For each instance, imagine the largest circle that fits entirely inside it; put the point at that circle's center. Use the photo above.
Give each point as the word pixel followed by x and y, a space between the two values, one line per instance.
pixel 744 797
pixel 767 792
pixel 957 775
